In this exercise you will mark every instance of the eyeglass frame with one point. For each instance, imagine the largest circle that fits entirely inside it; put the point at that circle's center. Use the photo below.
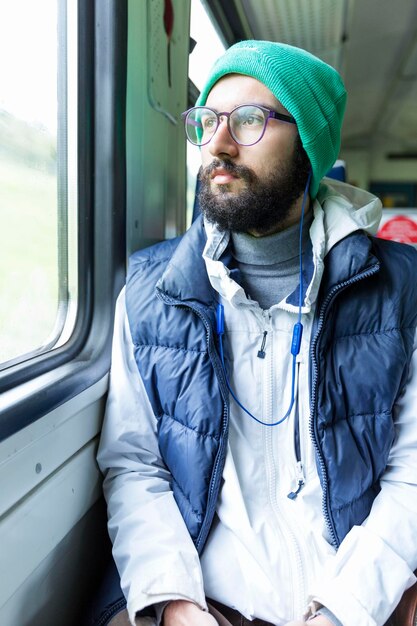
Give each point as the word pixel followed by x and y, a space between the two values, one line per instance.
pixel 271 115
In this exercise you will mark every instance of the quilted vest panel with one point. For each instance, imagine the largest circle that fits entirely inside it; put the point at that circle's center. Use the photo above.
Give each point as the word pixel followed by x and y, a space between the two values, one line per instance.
pixel 361 361
pixel 174 347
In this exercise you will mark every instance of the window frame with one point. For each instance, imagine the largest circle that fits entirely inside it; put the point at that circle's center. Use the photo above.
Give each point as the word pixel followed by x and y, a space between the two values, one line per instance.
pixel 35 386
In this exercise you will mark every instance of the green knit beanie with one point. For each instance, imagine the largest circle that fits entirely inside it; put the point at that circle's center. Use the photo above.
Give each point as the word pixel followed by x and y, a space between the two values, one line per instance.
pixel 312 91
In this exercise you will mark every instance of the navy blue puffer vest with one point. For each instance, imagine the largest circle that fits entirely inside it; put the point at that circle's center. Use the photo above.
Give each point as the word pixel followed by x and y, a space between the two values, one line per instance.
pixel 361 347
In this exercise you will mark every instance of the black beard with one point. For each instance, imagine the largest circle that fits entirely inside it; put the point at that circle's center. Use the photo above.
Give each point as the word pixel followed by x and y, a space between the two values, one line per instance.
pixel 264 204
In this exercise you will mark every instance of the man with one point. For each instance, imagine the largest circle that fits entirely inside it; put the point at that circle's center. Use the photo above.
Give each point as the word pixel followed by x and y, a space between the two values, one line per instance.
pixel 254 469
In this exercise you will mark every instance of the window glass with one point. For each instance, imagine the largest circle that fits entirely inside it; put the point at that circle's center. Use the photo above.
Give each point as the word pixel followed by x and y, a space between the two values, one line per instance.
pixel 38 265
pixel 209 46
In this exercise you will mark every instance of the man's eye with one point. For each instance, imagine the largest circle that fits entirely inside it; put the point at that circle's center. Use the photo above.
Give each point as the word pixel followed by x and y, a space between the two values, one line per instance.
pixel 209 123
pixel 252 120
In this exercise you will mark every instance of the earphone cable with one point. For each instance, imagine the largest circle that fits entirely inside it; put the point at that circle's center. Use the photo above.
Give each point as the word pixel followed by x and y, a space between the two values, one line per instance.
pixel 296 337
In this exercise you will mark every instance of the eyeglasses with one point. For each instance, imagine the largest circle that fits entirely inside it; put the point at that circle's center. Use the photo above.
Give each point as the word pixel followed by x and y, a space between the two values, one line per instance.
pixel 246 123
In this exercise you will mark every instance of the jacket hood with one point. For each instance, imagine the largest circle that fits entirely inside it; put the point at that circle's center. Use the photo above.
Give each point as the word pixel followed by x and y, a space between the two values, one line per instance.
pixel 347 209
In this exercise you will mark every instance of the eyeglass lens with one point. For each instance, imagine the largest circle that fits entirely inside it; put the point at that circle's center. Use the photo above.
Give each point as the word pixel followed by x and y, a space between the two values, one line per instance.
pixel 246 124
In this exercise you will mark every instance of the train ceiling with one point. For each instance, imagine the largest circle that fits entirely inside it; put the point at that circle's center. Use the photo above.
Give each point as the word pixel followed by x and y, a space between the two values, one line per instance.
pixel 373 44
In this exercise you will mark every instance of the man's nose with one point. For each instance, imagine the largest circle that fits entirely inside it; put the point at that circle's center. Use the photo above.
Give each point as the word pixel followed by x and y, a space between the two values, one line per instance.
pixel 222 142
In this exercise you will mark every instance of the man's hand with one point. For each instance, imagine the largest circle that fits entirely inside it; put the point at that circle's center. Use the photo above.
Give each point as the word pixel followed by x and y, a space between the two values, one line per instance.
pixel 184 613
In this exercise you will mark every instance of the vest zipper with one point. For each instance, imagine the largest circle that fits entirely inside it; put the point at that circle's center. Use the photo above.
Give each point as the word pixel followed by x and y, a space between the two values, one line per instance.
pixel 221 454
pixel 313 403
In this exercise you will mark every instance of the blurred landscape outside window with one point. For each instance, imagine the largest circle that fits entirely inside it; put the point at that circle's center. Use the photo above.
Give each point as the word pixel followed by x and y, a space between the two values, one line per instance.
pixel 209 46
pixel 38 182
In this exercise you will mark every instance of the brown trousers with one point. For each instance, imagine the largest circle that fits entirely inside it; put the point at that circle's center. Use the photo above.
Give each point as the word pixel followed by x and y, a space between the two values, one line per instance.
pixel 404 615
pixel 221 614
pixel 230 617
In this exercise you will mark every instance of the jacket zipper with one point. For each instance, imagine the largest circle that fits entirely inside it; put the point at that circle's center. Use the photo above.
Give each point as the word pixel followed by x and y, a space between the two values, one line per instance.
pixel 313 403
pixel 291 547
pixel 261 351
pixel 221 454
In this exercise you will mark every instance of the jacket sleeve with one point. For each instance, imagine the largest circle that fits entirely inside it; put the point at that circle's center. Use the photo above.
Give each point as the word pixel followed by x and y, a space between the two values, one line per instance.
pixel 374 565
pixel 153 551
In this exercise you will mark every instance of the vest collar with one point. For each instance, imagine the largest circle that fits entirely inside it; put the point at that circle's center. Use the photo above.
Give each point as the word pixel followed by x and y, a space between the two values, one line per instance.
pixel 185 278
pixel 350 257
pixel 187 261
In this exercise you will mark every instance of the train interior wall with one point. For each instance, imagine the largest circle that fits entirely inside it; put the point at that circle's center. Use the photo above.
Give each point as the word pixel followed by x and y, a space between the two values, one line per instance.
pixel 52 518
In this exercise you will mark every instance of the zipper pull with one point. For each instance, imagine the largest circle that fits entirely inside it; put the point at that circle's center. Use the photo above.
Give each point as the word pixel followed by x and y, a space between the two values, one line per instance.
pixel 300 481
pixel 261 352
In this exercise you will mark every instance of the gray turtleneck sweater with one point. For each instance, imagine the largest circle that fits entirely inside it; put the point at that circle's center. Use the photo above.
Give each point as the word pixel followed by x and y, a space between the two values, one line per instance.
pixel 270 266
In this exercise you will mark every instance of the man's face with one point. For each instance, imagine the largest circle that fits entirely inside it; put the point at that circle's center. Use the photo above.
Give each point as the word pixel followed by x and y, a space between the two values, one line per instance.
pixel 251 188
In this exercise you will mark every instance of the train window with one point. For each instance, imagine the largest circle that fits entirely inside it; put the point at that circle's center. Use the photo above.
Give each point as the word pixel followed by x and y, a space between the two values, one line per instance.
pixel 38 165
pixel 208 47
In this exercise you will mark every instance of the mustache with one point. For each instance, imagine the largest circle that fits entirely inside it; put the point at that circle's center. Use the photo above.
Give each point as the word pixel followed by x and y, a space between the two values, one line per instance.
pixel 240 171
